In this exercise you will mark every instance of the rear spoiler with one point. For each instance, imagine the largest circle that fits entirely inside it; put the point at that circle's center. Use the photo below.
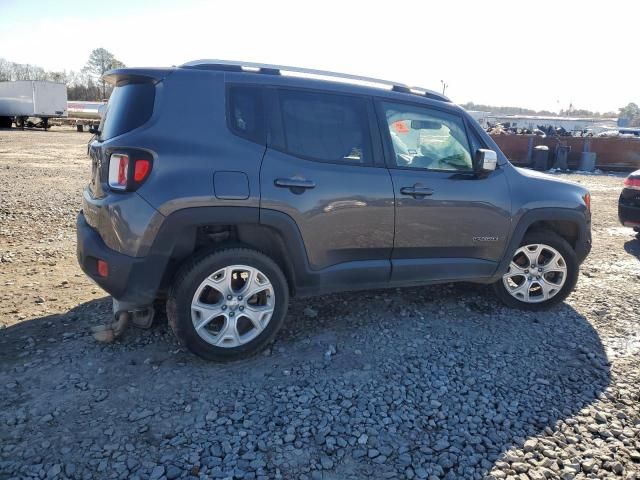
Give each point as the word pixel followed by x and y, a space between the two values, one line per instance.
pixel 122 76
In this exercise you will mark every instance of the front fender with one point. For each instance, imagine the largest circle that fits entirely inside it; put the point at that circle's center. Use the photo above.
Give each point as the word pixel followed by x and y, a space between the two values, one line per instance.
pixel 578 217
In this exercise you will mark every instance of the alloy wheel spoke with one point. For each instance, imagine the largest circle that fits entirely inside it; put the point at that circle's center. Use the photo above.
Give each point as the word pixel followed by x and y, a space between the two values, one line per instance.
pixel 228 335
pixel 555 270
pixel 255 316
pixel 532 255
pixel 556 266
pixel 553 259
pixel 515 269
pixel 255 289
pixel 546 288
pixel 259 309
pixel 522 289
pixel 253 285
pixel 562 271
pixel 206 313
pixel 222 284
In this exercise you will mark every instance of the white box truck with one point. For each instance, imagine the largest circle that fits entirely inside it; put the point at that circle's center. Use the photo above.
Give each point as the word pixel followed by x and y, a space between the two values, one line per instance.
pixel 22 99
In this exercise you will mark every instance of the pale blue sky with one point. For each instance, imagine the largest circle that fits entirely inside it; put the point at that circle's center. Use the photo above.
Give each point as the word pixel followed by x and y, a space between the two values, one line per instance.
pixel 542 54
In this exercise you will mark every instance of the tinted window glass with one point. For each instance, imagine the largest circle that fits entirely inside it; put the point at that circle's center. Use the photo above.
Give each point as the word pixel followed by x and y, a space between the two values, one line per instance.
pixel 246 117
pixel 325 127
pixel 129 107
pixel 474 141
pixel 424 138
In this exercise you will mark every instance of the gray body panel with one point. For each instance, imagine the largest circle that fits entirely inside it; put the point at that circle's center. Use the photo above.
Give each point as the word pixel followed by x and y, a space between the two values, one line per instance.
pixel 127 223
pixel 347 216
pixel 465 217
pixel 353 230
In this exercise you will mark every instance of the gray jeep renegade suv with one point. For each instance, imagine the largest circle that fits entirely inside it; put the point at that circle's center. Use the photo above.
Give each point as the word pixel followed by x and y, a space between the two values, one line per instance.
pixel 224 188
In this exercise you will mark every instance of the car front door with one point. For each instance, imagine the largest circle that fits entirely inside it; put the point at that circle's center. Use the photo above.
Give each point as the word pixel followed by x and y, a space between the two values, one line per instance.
pixel 322 170
pixel 450 222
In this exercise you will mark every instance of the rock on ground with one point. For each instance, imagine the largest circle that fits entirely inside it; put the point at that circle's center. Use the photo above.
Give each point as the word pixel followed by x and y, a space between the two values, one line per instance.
pixel 434 382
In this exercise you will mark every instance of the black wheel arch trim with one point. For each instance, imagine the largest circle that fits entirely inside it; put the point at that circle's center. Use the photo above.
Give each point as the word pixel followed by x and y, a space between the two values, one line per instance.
pixel 177 235
pixel 285 246
pixel 577 217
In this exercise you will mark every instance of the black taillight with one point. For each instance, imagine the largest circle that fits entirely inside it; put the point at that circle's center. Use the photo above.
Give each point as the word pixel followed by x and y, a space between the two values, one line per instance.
pixel 128 169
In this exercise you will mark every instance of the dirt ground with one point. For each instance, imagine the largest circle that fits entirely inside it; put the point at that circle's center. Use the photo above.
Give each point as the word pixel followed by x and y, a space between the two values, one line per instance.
pixel 385 384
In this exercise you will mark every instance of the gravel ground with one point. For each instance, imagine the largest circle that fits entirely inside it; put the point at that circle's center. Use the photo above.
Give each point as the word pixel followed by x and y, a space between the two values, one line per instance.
pixel 438 382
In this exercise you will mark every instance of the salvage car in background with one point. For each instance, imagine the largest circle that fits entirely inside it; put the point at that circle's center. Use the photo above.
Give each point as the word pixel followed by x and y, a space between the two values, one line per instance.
pixel 629 202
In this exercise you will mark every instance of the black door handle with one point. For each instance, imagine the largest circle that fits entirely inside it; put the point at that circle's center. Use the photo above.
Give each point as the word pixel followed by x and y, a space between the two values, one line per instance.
pixel 416 191
pixel 296 183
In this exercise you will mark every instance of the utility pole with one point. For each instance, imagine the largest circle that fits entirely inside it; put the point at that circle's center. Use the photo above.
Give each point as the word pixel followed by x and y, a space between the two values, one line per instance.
pixel 444 86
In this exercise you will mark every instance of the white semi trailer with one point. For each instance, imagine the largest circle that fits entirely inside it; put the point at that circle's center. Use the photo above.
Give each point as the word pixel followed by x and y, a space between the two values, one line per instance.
pixel 25 99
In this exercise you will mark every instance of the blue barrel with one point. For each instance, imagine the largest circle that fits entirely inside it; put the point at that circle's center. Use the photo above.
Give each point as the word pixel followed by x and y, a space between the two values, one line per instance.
pixel 587 162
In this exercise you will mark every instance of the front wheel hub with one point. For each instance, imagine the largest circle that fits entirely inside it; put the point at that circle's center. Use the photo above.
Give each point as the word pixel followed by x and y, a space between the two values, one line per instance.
pixel 550 277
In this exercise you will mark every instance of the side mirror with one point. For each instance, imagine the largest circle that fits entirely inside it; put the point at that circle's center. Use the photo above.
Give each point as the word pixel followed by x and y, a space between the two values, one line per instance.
pixel 485 161
pixel 93 130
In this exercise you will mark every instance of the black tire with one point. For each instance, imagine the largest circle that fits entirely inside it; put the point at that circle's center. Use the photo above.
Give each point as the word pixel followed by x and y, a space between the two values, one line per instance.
pixel 194 272
pixel 6 122
pixel 552 239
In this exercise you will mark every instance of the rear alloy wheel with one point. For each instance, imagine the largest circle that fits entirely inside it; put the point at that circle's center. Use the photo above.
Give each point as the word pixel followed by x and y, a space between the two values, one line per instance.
pixel 232 306
pixel 542 272
pixel 228 303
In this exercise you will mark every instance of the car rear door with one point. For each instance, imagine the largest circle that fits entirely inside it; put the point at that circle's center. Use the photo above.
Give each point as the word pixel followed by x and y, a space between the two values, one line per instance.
pixel 450 223
pixel 323 168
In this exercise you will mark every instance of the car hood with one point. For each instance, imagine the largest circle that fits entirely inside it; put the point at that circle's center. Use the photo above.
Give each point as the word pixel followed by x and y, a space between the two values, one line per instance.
pixel 546 177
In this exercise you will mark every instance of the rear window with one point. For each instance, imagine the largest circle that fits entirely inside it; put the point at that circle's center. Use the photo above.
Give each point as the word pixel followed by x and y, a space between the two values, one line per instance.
pixel 129 106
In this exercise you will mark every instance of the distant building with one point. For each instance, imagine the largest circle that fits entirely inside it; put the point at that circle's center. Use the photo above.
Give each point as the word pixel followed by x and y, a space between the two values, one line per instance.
pixel 571 124
pixel 480 116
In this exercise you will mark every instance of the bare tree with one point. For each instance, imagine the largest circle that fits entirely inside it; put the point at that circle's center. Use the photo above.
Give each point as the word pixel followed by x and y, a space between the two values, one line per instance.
pixel 60 77
pixel 101 61
pixel 5 70
pixel 81 85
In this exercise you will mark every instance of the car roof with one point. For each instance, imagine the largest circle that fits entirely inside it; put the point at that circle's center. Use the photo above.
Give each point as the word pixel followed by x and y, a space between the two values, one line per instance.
pixel 280 75
pixel 307 74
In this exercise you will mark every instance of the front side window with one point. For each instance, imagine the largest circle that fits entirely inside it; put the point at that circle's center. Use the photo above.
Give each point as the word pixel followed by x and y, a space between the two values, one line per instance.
pixel 325 127
pixel 427 139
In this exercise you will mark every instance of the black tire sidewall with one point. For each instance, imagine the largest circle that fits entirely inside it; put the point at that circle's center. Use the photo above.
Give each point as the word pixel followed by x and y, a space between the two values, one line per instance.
pixel 555 241
pixel 193 274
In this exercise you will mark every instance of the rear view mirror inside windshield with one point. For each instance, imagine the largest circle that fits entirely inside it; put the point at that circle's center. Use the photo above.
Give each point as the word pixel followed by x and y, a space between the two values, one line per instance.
pixel 425 125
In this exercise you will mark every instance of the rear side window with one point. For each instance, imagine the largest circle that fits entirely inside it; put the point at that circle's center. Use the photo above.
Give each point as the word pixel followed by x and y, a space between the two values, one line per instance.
pixel 325 127
pixel 129 107
pixel 245 112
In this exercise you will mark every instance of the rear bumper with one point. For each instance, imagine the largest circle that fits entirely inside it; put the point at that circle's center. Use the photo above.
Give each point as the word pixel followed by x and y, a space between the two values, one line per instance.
pixel 130 279
pixel 629 208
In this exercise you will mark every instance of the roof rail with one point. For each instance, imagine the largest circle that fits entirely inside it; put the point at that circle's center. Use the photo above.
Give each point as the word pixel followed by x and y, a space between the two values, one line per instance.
pixel 263 68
